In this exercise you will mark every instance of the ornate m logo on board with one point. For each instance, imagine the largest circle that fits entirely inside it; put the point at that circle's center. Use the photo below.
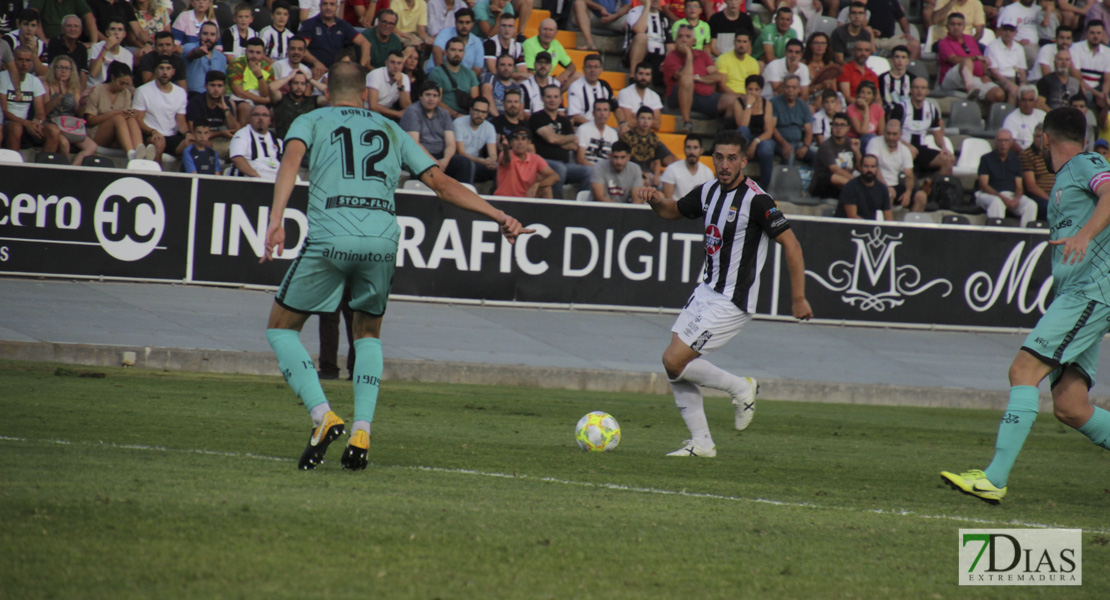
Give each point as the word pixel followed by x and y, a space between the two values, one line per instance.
pixel 874 280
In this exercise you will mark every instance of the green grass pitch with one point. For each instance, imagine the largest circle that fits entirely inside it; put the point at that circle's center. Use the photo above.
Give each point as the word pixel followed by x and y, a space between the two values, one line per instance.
pixel 135 484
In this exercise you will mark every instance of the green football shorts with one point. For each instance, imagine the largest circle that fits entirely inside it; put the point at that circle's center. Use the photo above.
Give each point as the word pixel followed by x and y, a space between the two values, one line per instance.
pixel 1069 334
pixel 315 280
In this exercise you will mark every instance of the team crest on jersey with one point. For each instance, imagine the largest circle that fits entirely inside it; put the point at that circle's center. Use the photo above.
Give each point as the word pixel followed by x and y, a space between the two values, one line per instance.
pixel 732 214
pixel 712 240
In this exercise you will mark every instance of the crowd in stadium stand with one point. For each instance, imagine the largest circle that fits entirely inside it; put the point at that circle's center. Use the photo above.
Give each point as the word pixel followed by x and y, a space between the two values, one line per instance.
pixel 845 96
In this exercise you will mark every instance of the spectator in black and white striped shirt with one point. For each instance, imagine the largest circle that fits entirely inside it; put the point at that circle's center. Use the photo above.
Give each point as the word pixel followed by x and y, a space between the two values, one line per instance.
pixel 921 118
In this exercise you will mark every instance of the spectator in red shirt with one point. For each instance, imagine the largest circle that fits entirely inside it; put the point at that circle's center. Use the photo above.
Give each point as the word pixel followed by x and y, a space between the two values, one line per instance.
pixel 856 72
pixel 521 173
pixel 692 80
pixel 962 64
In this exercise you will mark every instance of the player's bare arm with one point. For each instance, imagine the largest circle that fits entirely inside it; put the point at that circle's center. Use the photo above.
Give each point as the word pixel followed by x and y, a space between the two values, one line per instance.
pixel 1075 247
pixel 283 188
pixel 795 264
pixel 455 193
pixel 668 209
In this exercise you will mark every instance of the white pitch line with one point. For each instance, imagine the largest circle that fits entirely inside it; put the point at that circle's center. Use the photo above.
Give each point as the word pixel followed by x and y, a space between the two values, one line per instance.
pixel 588 484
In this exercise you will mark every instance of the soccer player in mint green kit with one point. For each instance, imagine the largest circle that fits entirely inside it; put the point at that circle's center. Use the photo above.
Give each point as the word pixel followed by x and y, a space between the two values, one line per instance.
pixel 355 160
pixel 1065 343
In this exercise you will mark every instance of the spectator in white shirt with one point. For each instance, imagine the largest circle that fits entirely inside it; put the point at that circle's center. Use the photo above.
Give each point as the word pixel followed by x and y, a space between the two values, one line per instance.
pixel 1046 57
pixel 596 138
pixel 1007 61
pixel 1025 16
pixel 631 98
pixel 389 90
pixel 22 103
pixel 1025 119
pixel 896 163
pixel 108 51
pixel 1093 61
pixel 682 176
pixel 160 111
pixel 790 64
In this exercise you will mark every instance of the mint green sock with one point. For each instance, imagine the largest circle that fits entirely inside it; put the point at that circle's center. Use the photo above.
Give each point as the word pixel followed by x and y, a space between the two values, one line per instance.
pixel 296 366
pixel 1097 428
pixel 1015 427
pixel 367 377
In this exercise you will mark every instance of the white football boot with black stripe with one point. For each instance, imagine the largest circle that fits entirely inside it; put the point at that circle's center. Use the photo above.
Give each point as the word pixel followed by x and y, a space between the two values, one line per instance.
pixel 692 448
pixel 745 405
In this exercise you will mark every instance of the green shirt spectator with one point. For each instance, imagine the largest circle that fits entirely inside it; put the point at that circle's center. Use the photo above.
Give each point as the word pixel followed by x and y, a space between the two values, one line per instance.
pixel 702 35
pixel 770 34
pixel 532 47
pixel 52 11
pixel 463 81
pixel 379 50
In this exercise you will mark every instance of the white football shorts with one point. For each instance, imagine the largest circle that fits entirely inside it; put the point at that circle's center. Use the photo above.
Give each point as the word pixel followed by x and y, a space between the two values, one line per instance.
pixel 709 320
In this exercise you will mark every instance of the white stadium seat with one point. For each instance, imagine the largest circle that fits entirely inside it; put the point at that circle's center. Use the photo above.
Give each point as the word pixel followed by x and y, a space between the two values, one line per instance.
pixel 10 156
pixel 141 164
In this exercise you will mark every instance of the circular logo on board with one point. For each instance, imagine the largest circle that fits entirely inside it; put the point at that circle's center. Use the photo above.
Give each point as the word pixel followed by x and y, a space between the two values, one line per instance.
pixel 129 219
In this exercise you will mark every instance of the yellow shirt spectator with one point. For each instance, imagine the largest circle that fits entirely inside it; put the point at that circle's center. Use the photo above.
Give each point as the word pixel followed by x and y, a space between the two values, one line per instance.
pixel 737 70
pixel 973 13
pixel 408 19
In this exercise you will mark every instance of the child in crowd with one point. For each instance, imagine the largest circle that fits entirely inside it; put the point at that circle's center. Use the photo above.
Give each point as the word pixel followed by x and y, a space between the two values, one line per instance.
pixel 234 40
pixel 822 119
pixel 199 157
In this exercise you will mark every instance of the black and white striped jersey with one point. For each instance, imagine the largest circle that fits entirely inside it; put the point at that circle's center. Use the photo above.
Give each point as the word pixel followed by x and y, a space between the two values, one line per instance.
pixel 739 226
pixel 917 122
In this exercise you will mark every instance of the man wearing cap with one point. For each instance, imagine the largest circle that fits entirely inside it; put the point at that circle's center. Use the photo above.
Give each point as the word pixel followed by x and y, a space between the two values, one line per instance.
pixel 1025 16
pixel 1103 148
pixel 160 108
pixel 521 173
pixel 533 86
pixel 1007 61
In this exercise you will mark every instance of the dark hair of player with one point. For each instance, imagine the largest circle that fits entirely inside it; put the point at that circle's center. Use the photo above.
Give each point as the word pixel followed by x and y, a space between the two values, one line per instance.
pixel 1066 124
pixel 619 146
pixel 730 137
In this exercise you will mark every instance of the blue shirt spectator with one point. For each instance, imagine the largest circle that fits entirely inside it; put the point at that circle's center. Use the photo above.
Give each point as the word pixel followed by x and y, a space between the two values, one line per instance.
pixel 791 120
pixel 325 41
pixel 196 69
pixel 475 57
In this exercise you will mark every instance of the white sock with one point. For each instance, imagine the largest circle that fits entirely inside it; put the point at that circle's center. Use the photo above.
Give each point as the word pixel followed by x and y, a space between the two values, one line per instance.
pixel 361 426
pixel 687 396
pixel 318 413
pixel 703 372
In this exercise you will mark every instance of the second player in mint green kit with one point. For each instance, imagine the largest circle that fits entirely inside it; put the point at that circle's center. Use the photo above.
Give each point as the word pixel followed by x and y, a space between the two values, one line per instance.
pixel 1064 346
pixel 355 161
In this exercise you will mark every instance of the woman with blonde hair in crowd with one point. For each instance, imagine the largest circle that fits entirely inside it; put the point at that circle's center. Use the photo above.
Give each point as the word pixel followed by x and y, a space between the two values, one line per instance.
pixel 153 17
pixel 186 27
pixel 63 95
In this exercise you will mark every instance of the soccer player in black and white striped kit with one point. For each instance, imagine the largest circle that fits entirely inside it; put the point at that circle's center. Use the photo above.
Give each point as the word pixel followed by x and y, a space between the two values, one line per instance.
pixel 740 221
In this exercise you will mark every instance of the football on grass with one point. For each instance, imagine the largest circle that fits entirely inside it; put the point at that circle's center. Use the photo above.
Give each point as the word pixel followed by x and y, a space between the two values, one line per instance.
pixel 598 432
